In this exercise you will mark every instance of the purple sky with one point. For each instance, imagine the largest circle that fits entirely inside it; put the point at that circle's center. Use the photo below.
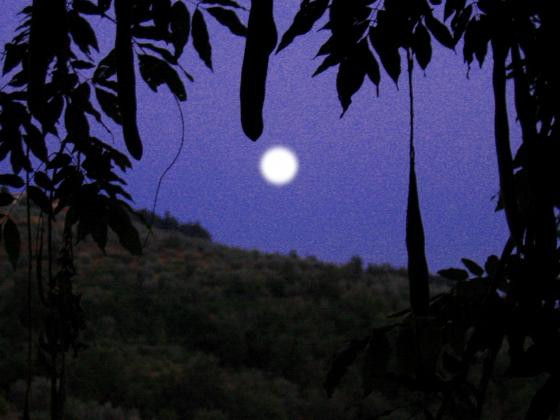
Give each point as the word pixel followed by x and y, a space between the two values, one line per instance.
pixel 349 197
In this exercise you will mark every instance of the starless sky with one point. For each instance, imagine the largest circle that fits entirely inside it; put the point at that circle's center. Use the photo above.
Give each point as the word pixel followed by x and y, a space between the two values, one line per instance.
pixel 349 197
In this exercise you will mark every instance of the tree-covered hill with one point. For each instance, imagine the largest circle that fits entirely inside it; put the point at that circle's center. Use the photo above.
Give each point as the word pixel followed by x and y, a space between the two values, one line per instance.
pixel 196 330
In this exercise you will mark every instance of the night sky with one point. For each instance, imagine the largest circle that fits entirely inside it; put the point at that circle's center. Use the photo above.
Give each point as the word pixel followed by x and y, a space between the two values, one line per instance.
pixel 349 197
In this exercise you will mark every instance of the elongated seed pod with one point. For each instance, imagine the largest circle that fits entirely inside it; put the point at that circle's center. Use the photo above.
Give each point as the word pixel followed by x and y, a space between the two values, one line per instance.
pixel 126 78
pixel 417 265
pixel 261 41
pixel 501 132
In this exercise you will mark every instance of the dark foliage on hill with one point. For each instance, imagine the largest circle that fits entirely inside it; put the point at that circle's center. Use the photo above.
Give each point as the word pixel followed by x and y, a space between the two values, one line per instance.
pixel 197 330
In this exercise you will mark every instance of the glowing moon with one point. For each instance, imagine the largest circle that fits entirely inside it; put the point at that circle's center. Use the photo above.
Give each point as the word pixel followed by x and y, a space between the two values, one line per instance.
pixel 279 166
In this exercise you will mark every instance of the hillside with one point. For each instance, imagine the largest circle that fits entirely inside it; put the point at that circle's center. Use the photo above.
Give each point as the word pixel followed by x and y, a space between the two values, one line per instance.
pixel 196 330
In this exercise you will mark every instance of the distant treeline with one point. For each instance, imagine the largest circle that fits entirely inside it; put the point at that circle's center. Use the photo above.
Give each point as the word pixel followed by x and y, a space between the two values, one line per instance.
pixel 168 222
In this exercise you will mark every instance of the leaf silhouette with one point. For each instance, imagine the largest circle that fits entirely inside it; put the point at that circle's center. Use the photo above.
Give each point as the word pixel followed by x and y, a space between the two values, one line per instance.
pixel 126 78
pixel 156 72
pixel 329 61
pixel 180 23
pixel 119 221
pixel 12 242
pixel 375 362
pixel 473 267
pixel 35 140
pixel 261 41
pixel 341 363
pixel 201 40
pixel 388 52
pixel 545 401
pixel 6 199
pixel 350 77
pixel 229 3
pixel 81 32
pixel 308 13
pixel 109 104
pixel 439 31
pixel 229 19
pixel 161 11
pixel 11 180
pixel 454 274
pixel 40 199
pixel 86 7
pixel 422 46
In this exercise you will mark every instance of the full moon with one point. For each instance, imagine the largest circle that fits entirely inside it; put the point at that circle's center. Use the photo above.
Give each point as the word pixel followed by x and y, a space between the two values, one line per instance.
pixel 279 166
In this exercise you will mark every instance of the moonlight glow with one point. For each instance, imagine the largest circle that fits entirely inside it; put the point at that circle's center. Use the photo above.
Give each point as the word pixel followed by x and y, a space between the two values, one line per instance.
pixel 279 166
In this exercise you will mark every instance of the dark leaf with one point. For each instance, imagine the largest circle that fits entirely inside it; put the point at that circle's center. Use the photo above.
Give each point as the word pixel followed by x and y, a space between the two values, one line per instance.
pixel 40 199
pixel 309 13
pixel 60 161
pixel 6 199
pixel 491 265
pixel 476 38
pixel 372 67
pixel 261 41
pixel 106 68
pixel 388 52
pixel 148 32
pixel 375 362
pixel 473 267
pixel 452 6
pixel 86 7
pixel 82 65
pixel 229 19
pixel 460 21
pixel 439 31
pixel 545 401
pixel 350 77
pixel 229 3
pixel 156 72
pixel 201 40
pixel 422 46
pixel 12 242
pixel 82 32
pixel 454 274
pixel 329 61
pixel 180 27
pixel 14 55
pixel 43 181
pixel 104 4
pixel 162 15
pixel 341 363
pixel 11 180
pixel 109 104
pixel 119 222
pixel 166 55
pixel 76 122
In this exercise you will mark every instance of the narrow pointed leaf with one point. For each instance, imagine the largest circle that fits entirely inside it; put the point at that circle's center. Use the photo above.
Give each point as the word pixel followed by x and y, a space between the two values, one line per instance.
pixel 180 27
pixel 422 46
pixel 229 19
pixel 440 32
pixel 229 3
pixel 201 39
pixel 109 104
pixel 341 363
pixel 309 13
pixel 473 267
